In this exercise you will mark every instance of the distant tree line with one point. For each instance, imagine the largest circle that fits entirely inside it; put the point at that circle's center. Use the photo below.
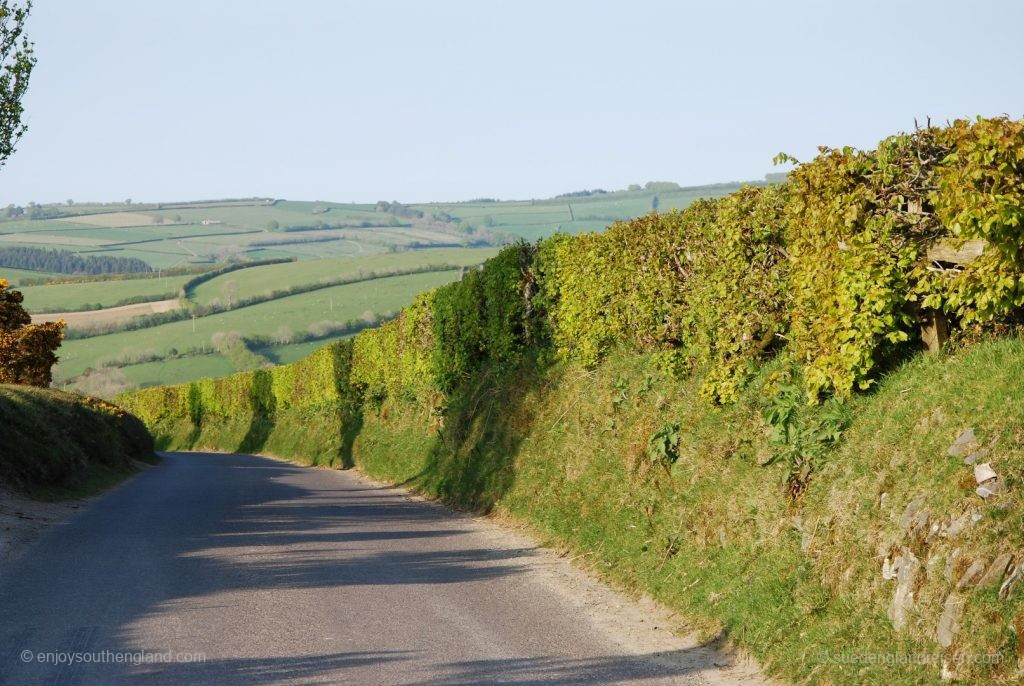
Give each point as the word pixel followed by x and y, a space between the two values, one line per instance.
pixel 294 241
pixel 398 209
pixel 239 351
pixel 323 226
pixel 583 193
pixel 92 278
pixel 661 186
pixel 67 262
pixel 34 211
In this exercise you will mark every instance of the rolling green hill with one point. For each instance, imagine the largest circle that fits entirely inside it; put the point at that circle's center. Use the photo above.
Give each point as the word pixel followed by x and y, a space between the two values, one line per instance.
pixel 246 283
pixel 167 235
pixel 317 312
pixel 793 414
pixel 66 297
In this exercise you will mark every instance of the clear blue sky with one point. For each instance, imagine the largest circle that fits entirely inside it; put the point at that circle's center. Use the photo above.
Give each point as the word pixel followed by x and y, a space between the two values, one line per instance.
pixel 440 100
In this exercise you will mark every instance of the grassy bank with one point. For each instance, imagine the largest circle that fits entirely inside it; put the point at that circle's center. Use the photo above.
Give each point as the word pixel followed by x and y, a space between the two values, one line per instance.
pixel 296 313
pixel 725 407
pixel 58 444
pixel 707 527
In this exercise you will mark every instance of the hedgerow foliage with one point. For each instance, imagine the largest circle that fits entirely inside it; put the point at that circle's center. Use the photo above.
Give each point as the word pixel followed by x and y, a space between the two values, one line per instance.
pixel 396 357
pixel 488 315
pixel 830 269
pixel 458 330
pixel 736 302
pixel 26 349
pixel 319 381
pixel 625 285
pixel 861 223
pixel 979 194
pixel 854 236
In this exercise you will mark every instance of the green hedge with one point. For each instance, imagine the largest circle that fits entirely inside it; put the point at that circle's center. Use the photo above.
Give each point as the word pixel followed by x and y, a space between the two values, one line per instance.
pixel 829 268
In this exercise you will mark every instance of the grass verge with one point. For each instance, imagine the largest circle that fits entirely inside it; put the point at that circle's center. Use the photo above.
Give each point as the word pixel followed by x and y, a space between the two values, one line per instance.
pixel 707 523
pixel 58 445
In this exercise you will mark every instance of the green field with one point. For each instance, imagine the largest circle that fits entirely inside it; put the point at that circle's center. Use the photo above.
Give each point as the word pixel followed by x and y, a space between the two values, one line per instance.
pixel 256 280
pixel 16 276
pixel 532 219
pixel 184 369
pixel 73 296
pixel 297 312
pixel 177 370
pixel 243 283
pixel 169 235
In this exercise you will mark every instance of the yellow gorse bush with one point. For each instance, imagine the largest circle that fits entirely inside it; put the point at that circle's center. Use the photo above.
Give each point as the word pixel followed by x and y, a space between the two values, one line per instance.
pixel 26 349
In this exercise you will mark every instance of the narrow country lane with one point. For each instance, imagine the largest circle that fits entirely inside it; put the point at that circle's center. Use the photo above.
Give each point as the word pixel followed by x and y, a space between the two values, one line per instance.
pixel 275 573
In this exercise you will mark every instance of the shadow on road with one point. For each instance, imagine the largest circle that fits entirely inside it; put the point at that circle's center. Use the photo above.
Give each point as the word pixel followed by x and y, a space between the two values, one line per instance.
pixel 188 558
pixel 671 667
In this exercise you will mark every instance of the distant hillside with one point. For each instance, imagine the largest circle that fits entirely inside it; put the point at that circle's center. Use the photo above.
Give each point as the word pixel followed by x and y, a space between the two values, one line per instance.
pixel 169 235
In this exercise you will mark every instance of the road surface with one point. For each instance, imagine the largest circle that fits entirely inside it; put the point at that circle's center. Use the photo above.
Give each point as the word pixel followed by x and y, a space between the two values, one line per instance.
pixel 234 569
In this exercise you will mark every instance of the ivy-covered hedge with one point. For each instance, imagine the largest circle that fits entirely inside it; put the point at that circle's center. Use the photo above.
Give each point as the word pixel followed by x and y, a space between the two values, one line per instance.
pixel 318 381
pixel 831 269
pixel 860 225
pixel 396 358
pixel 737 300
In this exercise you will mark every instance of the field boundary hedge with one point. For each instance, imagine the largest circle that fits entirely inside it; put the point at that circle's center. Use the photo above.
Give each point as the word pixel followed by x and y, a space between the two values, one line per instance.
pixel 815 287
pixel 829 270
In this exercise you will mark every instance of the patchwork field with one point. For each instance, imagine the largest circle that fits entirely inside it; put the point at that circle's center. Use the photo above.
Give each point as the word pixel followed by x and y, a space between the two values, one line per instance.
pixel 257 280
pixel 108 315
pixel 297 313
pixel 16 276
pixel 96 294
pixel 532 219
pixel 169 235
pixel 112 219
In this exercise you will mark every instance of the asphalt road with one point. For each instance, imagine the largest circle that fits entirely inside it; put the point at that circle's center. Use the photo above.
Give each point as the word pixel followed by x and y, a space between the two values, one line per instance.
pixel 281 574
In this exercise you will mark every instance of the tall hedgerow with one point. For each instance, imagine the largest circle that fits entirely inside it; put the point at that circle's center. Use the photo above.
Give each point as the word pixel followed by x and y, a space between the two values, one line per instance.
pixel 396 357
pixel 507 286
pixel 625 285
pixel 837 267
pixel 458 330
pixel 979 194
pixel 486 317
pixel 736 302
pixel 860 226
